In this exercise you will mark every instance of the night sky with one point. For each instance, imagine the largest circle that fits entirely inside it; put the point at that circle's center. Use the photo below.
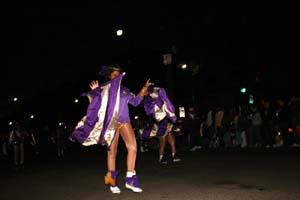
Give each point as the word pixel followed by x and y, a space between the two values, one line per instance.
pixel 53 50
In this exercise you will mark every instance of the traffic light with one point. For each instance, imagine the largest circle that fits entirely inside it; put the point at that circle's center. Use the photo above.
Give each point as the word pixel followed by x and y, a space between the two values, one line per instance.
pixel 243 90
pixel 251 99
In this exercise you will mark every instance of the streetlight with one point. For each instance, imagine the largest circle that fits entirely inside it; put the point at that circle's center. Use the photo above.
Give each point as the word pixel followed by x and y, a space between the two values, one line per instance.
pixel 119 32
pixel 183 66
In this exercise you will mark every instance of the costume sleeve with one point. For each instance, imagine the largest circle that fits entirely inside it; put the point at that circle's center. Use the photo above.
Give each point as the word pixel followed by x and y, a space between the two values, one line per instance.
pixel 135 100
pixel 168 106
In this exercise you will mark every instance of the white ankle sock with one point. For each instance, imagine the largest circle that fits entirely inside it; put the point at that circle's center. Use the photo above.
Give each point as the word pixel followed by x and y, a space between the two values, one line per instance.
pixel 130 173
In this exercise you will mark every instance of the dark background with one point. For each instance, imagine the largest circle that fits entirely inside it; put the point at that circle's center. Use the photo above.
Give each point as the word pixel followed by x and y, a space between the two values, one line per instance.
pixel 52 50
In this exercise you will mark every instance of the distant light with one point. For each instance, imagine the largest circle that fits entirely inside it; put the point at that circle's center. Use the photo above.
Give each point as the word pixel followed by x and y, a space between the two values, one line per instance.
pixel 182 66
pixel 76 100
pixel 136 117
pixel 31 116
pixel 10 123
pixel 243 90
pixel 251 99
pixel 290 130
pixel 119 32
pixel 60 123
pixel 15 99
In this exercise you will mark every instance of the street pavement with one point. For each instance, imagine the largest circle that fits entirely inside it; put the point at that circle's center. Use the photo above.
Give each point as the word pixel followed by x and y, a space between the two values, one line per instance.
pixel 211 174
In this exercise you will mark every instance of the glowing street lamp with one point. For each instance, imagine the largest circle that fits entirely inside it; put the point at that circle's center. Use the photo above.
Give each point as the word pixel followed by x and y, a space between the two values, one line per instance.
pixel 183 66
pixel 119 32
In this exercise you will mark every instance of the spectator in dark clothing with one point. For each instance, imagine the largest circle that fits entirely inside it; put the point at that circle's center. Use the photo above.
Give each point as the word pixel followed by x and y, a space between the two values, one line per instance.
pixel 192 129
pixel 282 120
pixel 254 130
pixel 17 137
pixel 267 115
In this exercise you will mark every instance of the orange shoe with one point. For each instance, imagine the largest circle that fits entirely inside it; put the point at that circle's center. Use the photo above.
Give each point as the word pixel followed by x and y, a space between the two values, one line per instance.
pixel 111 179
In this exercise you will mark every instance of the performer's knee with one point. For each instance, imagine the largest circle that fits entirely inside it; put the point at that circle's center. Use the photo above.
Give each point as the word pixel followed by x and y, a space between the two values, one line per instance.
pixel 132 148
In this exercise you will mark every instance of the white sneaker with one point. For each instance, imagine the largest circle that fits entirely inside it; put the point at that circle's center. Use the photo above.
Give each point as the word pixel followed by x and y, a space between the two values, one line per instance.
pixel 115 189
pixel 131 181
pixel 134 189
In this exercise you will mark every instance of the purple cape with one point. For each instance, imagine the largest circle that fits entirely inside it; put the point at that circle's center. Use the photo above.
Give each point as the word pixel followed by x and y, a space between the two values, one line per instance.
pixel 99 124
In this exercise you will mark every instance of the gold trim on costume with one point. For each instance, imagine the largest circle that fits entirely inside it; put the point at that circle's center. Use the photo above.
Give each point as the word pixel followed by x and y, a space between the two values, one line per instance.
pixel 120 125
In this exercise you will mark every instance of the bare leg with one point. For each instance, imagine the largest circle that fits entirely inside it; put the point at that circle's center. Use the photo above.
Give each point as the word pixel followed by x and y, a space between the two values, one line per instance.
pixel 111 176
pixel 128 136
pixel 162 145
pixel 112 153
pixel 171 141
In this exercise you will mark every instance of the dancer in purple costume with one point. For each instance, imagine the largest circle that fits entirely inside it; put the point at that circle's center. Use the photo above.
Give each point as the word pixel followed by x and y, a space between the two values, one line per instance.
pixel 107 118
pixel 158 105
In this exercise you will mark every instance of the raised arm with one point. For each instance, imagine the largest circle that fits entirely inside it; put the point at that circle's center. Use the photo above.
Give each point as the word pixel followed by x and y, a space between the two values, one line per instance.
pixel 136 100
pixel 144 90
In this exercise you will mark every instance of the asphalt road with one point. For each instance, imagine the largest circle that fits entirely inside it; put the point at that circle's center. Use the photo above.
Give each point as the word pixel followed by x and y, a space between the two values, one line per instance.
pixel 201 175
